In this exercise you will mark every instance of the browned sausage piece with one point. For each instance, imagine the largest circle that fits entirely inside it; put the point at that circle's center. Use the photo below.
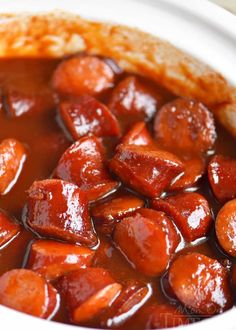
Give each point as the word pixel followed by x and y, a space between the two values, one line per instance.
pixel 190 212
pixel 145 169
pixel 138 135
pixel 83 164
pixel 88 292
pixel 161 317
pixel 222 177
pixel 86 115
pixel 9 228
pixel 201 284
pixel 12 157
pixel 133 296
pixel 82 75
pixel 226 227
pixel 52 259
pixel 107 214
pixel 185 125
pixel 194 169
pixel 59 209
pixel 28 292
pixel 150 252
pixel 53 302
pixel 134 99
pixel 21 103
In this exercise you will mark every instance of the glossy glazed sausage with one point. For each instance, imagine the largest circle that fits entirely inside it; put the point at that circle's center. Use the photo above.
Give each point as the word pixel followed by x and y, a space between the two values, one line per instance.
pixel 27 292
pixel 193 171
pixel 149 253
pixel 145 169
pixel 201 284
pixel 107 214
pixel 131 98
pixel 222 177
pixel 12 157
pixel 59 209
pixel 190 212
pixel 132 297
pixel 82 75
pixel 138 135
pixel 86 115
pixel 23 104
pixel 88 292
pixel 83 164
pixel 9 228
pixel 225 226
pixel 185 125
pixel 51 259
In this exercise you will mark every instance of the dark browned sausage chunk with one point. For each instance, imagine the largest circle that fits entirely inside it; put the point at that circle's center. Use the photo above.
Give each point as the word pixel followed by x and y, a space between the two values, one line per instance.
pixel 222 177
pixel 150 252
pixel 52 259
pixel 83 164
pixel 9 228
pixel 226 227
pixel 190 212
pixel 161 317
pixel 201 284
pixel 88 292
pixel 59 209
pixel 193 171
pixel 12 157
pixel 145 169
pixel 133 296
pixel 107 214
pixel 138 135
pixel 133 99
pixel 23 104
pixel 185 125
pixel 27 292
pixel 86 115
pixel 83 75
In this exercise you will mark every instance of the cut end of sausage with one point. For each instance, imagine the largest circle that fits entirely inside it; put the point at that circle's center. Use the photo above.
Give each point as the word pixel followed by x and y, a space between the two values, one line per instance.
pixel 59 209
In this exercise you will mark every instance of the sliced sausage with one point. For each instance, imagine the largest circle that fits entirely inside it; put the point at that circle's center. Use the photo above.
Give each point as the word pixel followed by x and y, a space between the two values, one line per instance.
pixel 234 276
pixel 21 103
pixel 12 157
pixel 27 292
pixel 190 212
pixel 53 302
pixel 161 317
pixel 193 171
pixel 133 296
pixel 9 228
pixel 185 125
pixel 86 115
pixel 138 135
pixel 146 169
pixel 82 75
pixel 226 227
pixel 131 98
pixel 83 164
pixel 201 284
pixel 52 259
pixel 107 214
pixel 88 292
pixel 59 209
pixel 150 252
pixel 222 177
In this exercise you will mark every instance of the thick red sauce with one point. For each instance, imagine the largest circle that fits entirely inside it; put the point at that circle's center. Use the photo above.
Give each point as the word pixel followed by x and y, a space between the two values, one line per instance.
pixel 45 142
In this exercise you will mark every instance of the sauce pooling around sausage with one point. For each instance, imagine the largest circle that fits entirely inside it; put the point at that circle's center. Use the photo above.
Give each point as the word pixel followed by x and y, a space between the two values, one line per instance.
pixel 132 174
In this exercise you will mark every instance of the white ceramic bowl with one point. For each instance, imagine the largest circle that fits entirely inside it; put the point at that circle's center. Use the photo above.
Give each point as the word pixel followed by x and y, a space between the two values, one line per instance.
pixel 198 27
